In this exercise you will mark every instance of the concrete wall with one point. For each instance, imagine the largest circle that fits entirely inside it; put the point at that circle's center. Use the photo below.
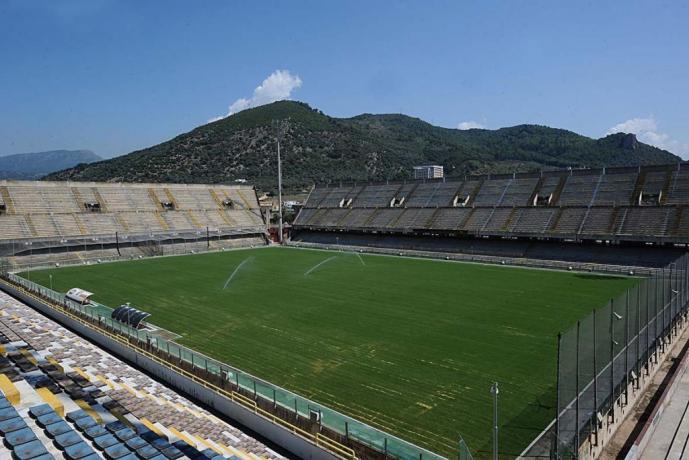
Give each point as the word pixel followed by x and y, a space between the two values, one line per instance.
pixel 289 441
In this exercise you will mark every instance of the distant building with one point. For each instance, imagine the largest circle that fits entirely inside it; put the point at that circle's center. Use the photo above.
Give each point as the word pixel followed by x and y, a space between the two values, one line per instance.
pixel 428 172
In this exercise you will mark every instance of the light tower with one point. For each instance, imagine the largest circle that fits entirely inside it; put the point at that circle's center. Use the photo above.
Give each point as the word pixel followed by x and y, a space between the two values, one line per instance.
pixel 281 127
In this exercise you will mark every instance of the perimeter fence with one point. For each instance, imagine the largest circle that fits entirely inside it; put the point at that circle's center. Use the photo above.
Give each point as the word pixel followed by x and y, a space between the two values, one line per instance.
pixel 264 393
pixel 605 354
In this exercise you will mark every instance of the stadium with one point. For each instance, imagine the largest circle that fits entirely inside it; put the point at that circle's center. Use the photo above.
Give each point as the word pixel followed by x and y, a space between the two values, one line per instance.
pixel 161 320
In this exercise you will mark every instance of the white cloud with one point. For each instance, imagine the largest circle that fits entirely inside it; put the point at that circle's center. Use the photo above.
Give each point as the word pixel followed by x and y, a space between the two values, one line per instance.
pixel 470 125
pixel 276 87
pixel 647 131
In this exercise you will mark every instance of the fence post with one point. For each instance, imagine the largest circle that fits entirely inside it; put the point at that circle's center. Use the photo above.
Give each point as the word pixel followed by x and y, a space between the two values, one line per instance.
pixel 576 406
pixel 595 379
pixel 638 335
pixel 557 396
pixel 626 348
pixel 612 361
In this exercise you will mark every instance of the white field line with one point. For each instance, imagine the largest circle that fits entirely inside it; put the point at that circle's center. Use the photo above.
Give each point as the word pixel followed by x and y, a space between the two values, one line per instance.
pixel 360 259
pixel 235 271
pixel 319 264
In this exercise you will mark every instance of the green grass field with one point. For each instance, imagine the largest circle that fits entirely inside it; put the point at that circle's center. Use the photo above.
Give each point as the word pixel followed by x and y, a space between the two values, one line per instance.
pixel 409 346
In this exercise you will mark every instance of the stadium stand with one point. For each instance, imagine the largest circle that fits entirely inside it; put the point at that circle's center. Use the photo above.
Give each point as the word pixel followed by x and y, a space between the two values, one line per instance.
pixel 39 218
pixel 62 397
pixel 642 205
pixel 637 207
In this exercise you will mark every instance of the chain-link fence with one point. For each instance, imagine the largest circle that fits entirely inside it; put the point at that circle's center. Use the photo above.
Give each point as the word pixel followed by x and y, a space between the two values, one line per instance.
pixel 260 390
pixel 604 354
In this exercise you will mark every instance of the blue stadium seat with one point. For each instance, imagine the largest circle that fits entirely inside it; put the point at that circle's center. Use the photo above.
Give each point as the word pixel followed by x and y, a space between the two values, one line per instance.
pixel 44 457
pixel 135 443
pixel 48 419
pixel 125 434
pixel 115 426
pixel 8 413
pixel 147 452
pixel 13 424
pixel 67 439
pixel 105 441
pixel 172 452
pixel 80 451
pixel 85 422
pixel 76 415
pixel 37 411
pixel 29 450
pixel 95 431
pixel 4 403
pixel 19 437
pixel 57 429
pixel 116 451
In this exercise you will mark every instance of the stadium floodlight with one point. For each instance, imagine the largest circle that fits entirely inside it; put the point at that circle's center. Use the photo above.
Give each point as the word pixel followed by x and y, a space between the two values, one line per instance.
pixel 281 126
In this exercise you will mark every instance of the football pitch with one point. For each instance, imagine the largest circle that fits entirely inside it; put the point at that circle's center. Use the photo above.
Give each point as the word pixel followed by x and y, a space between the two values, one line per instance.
pixel 407 345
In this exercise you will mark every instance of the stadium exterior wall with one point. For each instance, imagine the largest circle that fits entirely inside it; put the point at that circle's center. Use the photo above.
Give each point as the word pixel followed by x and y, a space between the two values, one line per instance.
pixel 291 442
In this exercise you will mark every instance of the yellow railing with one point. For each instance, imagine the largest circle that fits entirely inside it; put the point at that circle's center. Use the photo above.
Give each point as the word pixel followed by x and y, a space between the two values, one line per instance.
pixel 318 439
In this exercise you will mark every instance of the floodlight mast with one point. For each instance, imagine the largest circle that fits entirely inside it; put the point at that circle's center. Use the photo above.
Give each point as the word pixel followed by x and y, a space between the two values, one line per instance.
pixel 281 127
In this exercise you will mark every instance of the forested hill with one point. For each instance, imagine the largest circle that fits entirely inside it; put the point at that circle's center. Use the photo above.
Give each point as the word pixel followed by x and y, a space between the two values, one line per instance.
pixel 319 149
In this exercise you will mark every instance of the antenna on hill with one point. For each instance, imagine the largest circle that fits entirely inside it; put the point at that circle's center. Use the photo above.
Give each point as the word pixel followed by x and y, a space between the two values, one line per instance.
pixel 280 127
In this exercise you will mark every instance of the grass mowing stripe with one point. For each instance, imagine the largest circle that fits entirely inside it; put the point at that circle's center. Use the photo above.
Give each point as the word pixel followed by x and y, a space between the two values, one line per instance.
pixel 407 344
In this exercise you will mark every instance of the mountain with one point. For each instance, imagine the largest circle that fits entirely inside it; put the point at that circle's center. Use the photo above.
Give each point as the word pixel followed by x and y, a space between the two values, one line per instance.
pixel 318 148
pixel 38 164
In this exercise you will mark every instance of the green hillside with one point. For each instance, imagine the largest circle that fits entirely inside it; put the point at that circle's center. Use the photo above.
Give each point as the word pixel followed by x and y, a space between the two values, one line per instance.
pixel 319 149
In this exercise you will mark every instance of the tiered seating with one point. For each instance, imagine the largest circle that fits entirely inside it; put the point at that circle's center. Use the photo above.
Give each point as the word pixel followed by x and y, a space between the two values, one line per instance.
pixel 615 189
pixel 598 221
pixel 556 204
pixel 443 194
pixel 335 197
pixel 422 195
pixel 57 210
pixel 415 218
pixel 450 218
pixel 376 196
pixel 14 227
pixel 356 218
pixel 477 219
pixel 519 192
pixel 62 397
pixel 532 220
pixel 579 190
pixel 651 221
pixel 679 187
pixel 569 220
pixel 498 220
pixel 491 192
pixel 384 217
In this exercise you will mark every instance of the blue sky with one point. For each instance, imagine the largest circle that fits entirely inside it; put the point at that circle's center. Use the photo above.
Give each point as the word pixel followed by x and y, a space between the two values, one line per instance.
pixel 114 76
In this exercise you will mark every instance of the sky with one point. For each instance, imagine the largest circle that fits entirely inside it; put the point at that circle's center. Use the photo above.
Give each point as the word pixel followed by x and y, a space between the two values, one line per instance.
pixel 115 76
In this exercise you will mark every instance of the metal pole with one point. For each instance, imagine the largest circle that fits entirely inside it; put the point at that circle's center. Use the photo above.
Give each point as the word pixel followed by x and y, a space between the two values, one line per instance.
pixel 576 407
pixel 557 396
pixel 595 376
pixel 279 134
pixel 612 361
pixel 626 348
pixel 494 391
